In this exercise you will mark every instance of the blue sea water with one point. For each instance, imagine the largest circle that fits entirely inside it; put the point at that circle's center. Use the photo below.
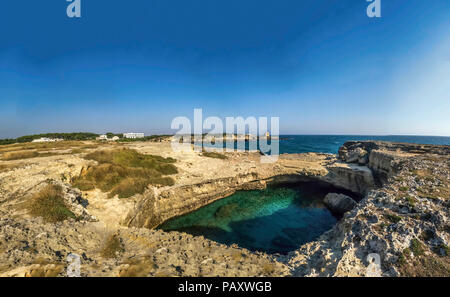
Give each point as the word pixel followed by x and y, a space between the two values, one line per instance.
pixel 331 143
pixel 277 220
pixel 291 144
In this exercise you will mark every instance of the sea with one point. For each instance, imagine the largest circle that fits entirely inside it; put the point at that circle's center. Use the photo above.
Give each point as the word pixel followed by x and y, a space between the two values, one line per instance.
pixel 330 143
pixel 277 219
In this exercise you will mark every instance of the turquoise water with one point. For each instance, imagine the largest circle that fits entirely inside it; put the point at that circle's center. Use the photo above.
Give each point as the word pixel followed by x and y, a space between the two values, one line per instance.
pixel 275 220
pixel 330 143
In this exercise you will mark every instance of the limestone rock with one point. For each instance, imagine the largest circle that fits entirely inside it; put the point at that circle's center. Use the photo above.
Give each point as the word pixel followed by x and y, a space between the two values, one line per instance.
pixel 339 203
pixel 357 155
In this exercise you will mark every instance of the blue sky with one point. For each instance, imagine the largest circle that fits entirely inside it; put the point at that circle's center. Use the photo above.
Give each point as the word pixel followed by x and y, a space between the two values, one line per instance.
pixel 322 66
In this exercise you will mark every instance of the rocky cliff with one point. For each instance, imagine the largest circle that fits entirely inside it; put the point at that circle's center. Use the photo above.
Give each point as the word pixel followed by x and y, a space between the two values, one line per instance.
pixel 159 205
pixel 405 221
pixel 402 215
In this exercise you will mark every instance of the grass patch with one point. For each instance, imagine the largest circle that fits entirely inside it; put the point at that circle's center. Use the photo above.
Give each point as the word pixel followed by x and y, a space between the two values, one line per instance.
pixel 214 155
pixel 129 187
pixel 125 172
pixel 393 218
pixel 20 155
pixel 411 201
pixel 131 158
pixel 403 189
pixel 42 146
pixel 112 247
pixel 76 151
pixel 7 167
pixel 416 247
pixel 404 256
pixel 49 204
pixel 443 250
pixel 83 184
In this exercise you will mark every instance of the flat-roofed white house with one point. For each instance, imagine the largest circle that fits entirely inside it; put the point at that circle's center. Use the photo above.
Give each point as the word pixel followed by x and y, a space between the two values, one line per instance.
pixel 133 135
pixel 102 137
pixel 45 139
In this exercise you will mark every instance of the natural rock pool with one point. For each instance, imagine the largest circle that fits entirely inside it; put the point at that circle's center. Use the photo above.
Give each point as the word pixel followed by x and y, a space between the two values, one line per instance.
pixel 275 220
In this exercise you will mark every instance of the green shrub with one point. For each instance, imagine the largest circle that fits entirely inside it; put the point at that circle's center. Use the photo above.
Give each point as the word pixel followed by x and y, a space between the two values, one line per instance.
pixel 126 172
pixel 416 247
pixel 129 187
pixel 444 249
pixel 411 201
pixel 393 218
pixel 49 204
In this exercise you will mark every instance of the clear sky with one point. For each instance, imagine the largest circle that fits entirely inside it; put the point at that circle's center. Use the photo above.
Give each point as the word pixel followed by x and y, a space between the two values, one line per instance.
pixel 322 66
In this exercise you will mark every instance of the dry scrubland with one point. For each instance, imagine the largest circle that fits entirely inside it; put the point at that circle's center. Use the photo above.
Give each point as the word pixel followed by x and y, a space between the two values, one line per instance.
pixel 71 195
pixel 125 172
pixel 94 199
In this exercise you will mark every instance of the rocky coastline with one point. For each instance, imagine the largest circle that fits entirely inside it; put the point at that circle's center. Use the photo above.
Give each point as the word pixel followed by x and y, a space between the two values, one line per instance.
pixel 401 213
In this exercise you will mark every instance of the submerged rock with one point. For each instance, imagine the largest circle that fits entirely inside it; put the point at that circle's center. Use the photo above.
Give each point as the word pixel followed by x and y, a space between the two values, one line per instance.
pixel 226 210
pixel 339 203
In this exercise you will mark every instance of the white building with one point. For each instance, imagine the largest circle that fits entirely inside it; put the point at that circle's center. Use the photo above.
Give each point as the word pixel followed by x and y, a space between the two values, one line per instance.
pixel 102 137
pixel 133 135
pixel 45 139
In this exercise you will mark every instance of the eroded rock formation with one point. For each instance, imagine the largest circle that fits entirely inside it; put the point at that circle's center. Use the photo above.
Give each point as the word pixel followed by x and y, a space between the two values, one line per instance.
pixel 403 215
pixel 339 203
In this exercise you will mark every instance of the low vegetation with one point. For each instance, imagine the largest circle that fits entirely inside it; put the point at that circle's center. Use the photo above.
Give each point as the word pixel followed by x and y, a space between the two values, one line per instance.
pixel 411 201
pixel 214 155
pixel 393 218
pixel 27 150
pixel 125 172
pixel 19 155
pixel 112 247
pixel 6 167
pixel 413 262
pixel 76 151
pixel 416 247
pixel 49 204
pixel 64 136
